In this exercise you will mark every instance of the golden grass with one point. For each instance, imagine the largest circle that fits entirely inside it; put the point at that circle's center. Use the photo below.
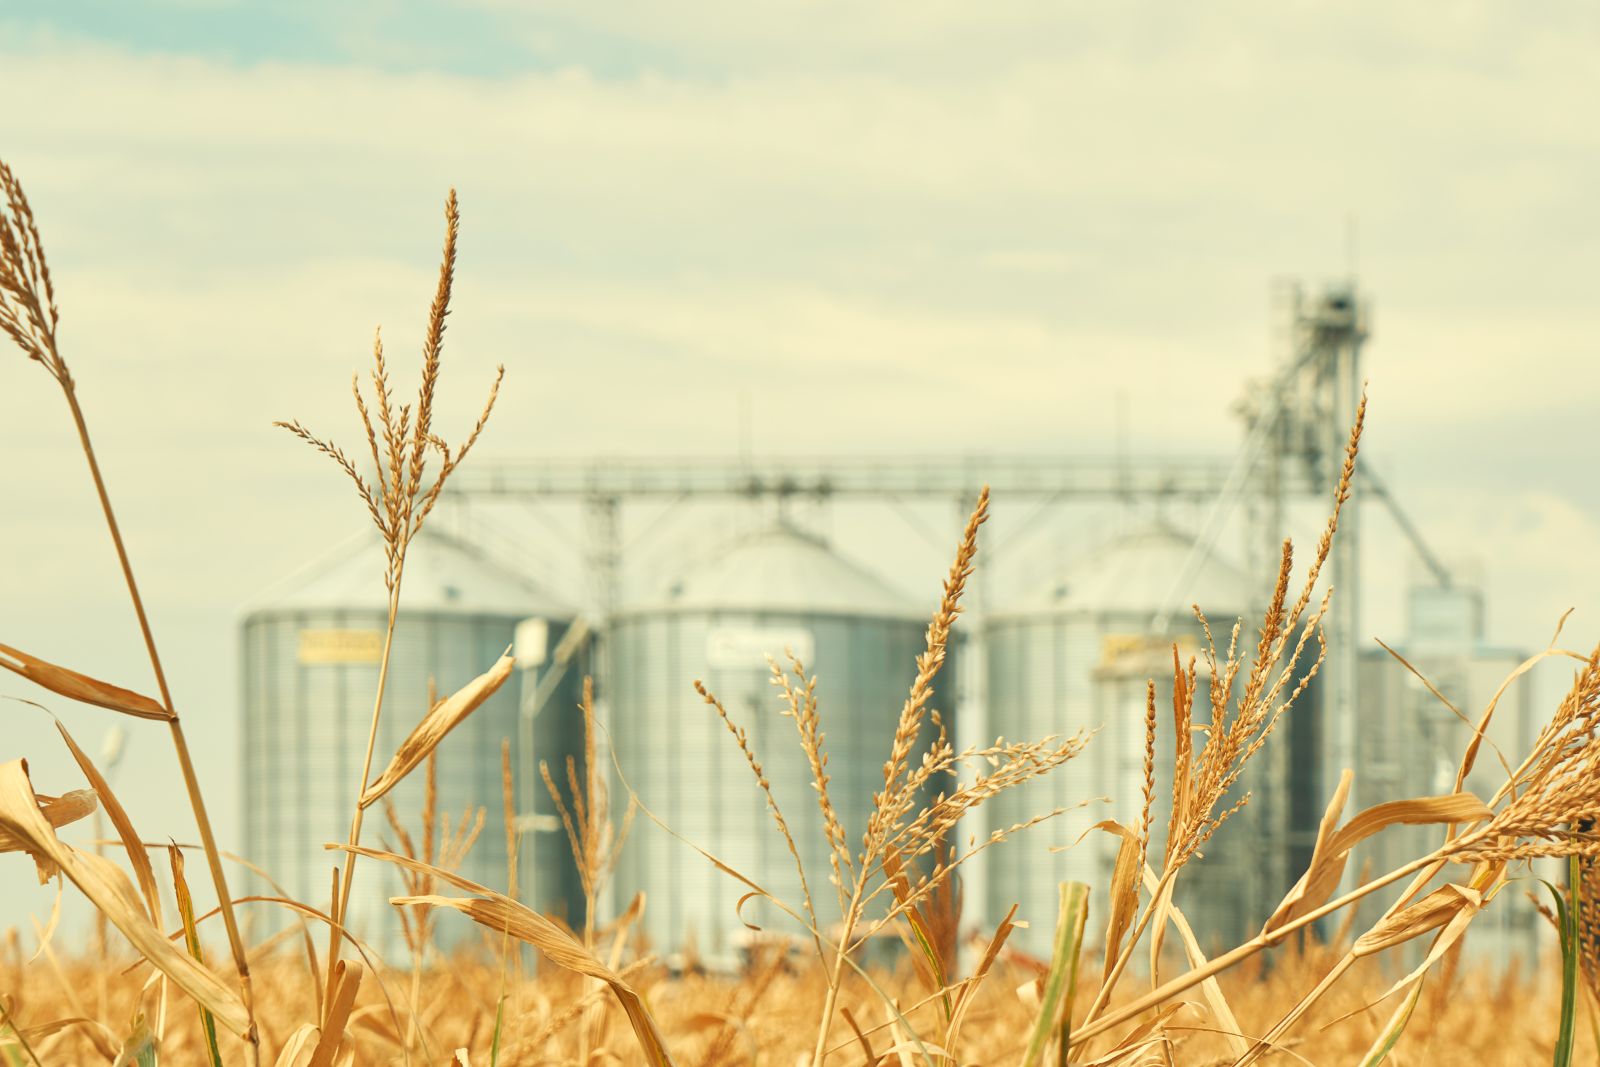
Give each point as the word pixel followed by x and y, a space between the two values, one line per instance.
pixel 808 999
pixel 720 1020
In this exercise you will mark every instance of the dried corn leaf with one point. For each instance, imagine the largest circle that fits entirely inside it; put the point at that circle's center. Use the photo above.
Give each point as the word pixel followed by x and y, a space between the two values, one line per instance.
pixel 1221 1011
pixel 295 1050
pixel 191 938
pixel 44 1030
pixel 1124 892
pixel 109 890
pixel 80 687
pixel 137 856
pixel 1142 1038
pixel 1332 849
pixel 969 988
pixel 503 915
pixel 1389 1036
pixel 435 725
pixel 1438 908
pixel 346 983
pixel 919 939
pixel 57 811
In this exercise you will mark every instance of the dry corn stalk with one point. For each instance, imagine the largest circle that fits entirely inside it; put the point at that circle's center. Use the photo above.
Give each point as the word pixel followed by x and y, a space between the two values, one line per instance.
pixel 398 501
pixel 29 316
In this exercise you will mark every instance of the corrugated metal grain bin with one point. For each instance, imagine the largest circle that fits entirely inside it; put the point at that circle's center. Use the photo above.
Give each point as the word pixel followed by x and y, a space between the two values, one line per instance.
pixel 1075 655
pixel 310 658
pixel 780 589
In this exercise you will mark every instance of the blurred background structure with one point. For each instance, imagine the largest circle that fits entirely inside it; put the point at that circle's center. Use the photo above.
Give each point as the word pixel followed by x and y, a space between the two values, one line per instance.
pixel 1065 651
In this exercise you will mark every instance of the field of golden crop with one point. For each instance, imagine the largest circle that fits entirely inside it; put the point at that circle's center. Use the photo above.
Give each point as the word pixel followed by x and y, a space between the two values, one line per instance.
pixel 155 993
pixel 767 1017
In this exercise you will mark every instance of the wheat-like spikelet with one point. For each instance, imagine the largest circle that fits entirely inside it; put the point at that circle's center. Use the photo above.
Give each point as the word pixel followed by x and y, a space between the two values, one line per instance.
pixel 401 497
pixel 743 741
pixel 28 312
pixel 1555 792
pixel 896 798
pixel 595 841
pixel 1149 790
pixel 800 704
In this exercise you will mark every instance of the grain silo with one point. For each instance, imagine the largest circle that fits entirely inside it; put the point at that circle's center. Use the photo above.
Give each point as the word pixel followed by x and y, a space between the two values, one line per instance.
pixel 1411 744
pixel 780 589
pixel 1075 655
pixel 310 659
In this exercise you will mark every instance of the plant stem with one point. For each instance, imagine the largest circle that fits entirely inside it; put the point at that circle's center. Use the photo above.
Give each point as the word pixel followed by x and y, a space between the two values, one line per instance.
pixel 1125 954
pixel 179 744
pixel 1243 952
pixel 340 906
pixel 831 1000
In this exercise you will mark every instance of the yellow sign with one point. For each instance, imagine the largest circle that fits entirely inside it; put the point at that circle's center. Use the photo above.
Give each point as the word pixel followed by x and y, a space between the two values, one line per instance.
pixel 341 646
pixel 1130 651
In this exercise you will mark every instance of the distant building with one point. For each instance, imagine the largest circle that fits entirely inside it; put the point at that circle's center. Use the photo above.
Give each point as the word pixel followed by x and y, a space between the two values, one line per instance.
pixel 1411 744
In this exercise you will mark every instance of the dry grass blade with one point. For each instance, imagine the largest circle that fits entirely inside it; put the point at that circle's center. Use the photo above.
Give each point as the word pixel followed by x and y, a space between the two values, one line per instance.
pixel 295 1049
pixel 1211 989
pixel 969 988
pixel 559 947
pixel 81 687
pixel 191 938
pixel 57 811
pixel 137 856
pixel 500 913
pixel 1332 848
pixel 1124 889
pixel 921 940
pixel 443 718
pixel 347 976
pixel 111 892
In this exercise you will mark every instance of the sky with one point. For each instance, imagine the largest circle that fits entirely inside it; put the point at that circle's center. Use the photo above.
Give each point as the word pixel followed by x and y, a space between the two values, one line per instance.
pixel 802 227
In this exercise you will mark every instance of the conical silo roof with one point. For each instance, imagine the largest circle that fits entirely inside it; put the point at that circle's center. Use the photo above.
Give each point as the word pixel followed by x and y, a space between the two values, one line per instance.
pixel 782 570
pixel 1136 573
pixel 443 575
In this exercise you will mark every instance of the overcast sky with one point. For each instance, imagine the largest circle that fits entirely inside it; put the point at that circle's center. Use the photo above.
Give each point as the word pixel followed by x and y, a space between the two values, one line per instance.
pixel 890 228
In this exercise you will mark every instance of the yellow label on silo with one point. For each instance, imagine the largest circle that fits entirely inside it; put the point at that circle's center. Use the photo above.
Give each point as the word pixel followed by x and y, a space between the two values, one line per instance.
pixel 341 646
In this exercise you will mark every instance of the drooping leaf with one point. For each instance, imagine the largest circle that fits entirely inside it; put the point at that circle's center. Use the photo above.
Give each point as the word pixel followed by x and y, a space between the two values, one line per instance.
pixel 137 856
pixel 57 811
pixel 80 687
pixel 109 890
pixel 1332 849
pixel 191 937
pixel 439 721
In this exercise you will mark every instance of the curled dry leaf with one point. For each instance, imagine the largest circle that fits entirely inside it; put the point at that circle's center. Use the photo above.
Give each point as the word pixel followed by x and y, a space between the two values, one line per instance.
pixel 137 856
pixel 1221 1010
pixel 57 811
pixel 110 891
pixel 295 1050
pixel 80 687
pixel 1333 847
pixel 1436 909
pixel 1124 891
pixel 503 915
pixel 435 725
pixel 346 983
